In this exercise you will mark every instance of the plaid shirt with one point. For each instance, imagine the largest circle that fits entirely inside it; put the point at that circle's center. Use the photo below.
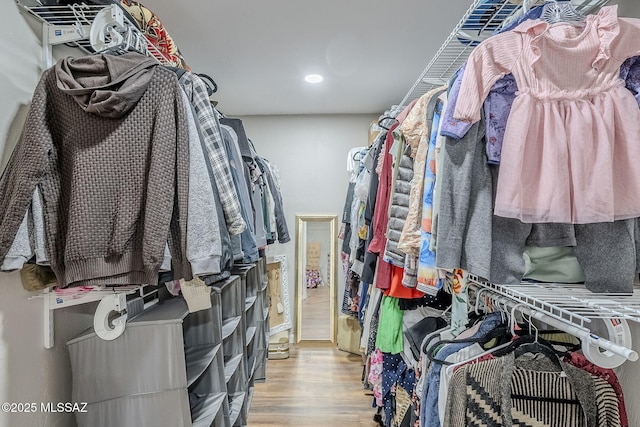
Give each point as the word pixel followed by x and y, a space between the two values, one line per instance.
pixel 215 152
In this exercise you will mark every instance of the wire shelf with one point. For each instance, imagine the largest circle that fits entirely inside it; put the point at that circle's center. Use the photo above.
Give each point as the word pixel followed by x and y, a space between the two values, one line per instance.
pixel 63 15
pixel 477 24
pixel 79 18
pixel 568 302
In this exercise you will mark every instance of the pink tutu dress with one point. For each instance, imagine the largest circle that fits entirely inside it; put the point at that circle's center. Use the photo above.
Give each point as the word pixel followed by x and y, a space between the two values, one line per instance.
pixel 571 150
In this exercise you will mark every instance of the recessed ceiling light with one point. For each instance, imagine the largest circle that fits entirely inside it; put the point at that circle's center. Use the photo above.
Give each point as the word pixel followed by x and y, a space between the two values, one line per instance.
pixel 313 78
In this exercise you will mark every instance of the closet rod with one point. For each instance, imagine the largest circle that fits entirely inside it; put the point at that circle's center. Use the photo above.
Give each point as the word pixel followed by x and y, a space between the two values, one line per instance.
pixel 584 335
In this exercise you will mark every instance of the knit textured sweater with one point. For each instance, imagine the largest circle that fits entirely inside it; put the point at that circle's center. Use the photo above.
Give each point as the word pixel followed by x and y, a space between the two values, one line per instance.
pixel 106 142
pixel 529 393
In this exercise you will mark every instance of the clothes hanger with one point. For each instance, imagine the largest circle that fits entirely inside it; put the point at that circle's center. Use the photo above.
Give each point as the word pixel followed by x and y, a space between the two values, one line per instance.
pixel 111 33
pixel 212 86
pixel 431 352
pixel 538 347
pixel 386 118
pixel 562 11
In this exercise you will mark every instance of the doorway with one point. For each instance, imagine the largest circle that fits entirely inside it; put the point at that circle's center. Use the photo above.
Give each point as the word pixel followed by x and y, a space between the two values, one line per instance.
pixel 316 238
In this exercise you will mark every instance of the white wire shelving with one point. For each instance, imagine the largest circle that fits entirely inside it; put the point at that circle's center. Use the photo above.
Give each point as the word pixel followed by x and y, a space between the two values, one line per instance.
pixel 573 309
pixel 71 25
pixel 478 23
pixel 571 302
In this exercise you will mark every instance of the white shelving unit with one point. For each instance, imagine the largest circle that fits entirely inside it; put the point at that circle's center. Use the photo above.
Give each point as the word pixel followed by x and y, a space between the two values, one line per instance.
pixel 575 310
pixel 72 25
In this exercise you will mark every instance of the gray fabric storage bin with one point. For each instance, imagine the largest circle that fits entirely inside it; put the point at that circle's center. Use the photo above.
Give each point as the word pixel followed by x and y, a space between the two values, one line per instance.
pixel 151 338
pixel 169 408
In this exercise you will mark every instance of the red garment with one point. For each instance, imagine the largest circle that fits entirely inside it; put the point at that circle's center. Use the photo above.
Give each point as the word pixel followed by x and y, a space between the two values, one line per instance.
pixel 381 215
pixel 397 289
pixel 383 275
pixel 383 196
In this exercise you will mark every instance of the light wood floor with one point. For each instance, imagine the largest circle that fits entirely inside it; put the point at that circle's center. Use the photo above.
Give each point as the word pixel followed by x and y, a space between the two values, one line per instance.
pixel 314 387
pixel 316 314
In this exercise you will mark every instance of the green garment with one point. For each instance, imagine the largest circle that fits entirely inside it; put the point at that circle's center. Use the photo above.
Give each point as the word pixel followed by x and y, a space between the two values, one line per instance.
pixel 552 265
pixel 390 338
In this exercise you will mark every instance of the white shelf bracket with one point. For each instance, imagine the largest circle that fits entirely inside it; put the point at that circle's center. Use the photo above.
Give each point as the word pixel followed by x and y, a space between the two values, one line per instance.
pixel 48 320
pixel 47 48
pixel 110 300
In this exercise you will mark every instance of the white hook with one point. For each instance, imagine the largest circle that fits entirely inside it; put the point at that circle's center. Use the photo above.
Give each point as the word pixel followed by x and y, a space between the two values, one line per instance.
pixel 477 305
pixel 512 323
pixel 619 337
pixel 102 326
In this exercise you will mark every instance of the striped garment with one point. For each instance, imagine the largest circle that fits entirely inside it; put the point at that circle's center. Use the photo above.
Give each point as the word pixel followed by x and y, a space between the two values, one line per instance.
pixel 498 393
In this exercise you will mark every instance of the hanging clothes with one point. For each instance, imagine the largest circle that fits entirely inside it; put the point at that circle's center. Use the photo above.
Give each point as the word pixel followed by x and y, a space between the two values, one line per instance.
pixel 529 393
pixel 129 88
pixel 428 279
pixel 245 243
pixel 417 129
pixel 588 118
pixel 155 32
pixel 381 217
pixel 281 230
pixel 217 157
pixel 204 246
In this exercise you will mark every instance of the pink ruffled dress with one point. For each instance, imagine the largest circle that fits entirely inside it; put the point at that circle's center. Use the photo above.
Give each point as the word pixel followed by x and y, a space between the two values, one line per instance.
pixel 571 150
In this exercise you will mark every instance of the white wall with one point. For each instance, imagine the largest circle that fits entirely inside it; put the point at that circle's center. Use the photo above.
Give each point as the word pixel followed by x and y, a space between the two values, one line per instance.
pixel 311 154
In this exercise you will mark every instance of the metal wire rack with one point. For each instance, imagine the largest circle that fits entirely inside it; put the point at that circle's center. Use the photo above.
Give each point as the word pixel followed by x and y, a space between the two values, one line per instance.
pixel 71 25
pixel 478 23
pixel 571 308
pixel 569 303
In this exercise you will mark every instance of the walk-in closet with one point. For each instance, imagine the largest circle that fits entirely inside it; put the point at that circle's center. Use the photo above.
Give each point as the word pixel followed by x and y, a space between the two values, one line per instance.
pixel 376 214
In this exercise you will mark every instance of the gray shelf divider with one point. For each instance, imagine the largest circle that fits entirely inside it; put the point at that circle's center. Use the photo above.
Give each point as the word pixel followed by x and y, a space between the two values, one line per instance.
pixel 237 405
pixel 207 408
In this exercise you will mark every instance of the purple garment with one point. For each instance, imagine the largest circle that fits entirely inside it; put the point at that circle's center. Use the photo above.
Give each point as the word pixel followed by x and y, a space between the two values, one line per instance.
pixel 630 73
pixel 451 127
pixel 497 105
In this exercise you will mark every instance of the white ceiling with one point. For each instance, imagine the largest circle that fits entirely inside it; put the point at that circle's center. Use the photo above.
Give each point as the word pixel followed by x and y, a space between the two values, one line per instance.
pixel 258 51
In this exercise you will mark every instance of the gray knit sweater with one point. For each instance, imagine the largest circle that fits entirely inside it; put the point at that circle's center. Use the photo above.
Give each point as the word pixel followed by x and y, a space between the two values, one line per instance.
pixel 106 141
